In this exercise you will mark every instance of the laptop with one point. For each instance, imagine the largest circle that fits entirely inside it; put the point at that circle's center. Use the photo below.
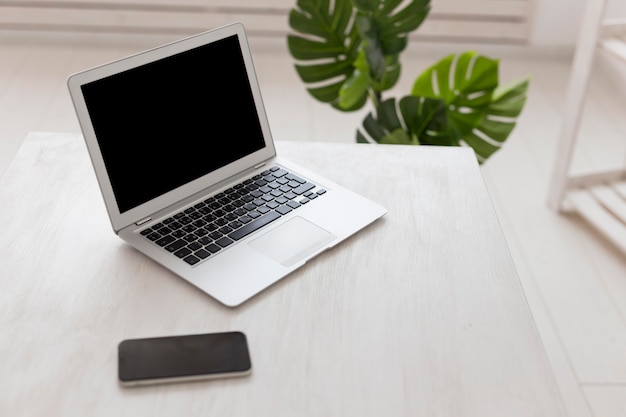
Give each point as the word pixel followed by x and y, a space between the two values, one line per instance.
pixel 182 150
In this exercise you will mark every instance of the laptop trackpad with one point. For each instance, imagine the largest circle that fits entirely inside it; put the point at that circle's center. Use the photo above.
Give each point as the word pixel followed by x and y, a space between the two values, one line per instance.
pixel 292 241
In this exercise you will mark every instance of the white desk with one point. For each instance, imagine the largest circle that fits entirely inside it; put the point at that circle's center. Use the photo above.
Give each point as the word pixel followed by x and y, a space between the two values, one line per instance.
pixel 421 314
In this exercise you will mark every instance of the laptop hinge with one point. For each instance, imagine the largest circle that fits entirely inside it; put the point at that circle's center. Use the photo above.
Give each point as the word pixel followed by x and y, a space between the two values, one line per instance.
pixel 259 166
pixel 146 220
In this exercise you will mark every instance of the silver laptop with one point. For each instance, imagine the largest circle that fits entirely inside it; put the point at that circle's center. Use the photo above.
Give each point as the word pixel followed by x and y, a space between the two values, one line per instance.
pixel 185 160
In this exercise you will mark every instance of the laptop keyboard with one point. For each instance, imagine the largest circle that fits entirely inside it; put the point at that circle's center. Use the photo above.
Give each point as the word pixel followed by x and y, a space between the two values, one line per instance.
pixel 204 229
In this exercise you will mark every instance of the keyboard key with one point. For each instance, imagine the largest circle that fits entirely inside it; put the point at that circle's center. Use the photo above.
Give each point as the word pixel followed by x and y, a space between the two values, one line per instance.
pixel 185 220
pixel 295 178
pixel 293 204
pixel 189 228
pixel 191 260
pixel 225 241
pixel 195 246
pixel 165 240
pixel 225 230
pixel 154 236
pixel 215 235
pixel 182 252
pixel 235 224
pixel 283 209
pixel 190 238
pixel 303 188
pixel 205 240
pixel 202 254
pixel 173 247
pixel 213 248
pixel 254 225
pixel 178 234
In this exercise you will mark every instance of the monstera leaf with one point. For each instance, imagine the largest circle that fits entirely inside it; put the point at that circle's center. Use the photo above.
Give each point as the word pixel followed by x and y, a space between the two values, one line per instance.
pixel 461 96
pixel 499 119
pixel 384 32
pixel 331 37
pixel 466 83
pixel 351 47
pixel 412 122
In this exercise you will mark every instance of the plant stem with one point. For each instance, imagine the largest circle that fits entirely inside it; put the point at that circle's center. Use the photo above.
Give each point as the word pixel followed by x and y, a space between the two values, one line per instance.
pixel 375 98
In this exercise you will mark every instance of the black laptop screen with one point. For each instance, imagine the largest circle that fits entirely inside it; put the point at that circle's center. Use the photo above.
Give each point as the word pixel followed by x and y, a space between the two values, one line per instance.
pixel 164 124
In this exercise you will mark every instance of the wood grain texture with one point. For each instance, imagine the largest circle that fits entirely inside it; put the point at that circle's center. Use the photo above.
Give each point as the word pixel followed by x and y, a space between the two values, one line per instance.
pixel 421 313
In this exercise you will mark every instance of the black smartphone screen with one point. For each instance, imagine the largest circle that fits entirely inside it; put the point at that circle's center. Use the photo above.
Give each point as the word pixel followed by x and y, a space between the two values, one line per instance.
pixel 183 357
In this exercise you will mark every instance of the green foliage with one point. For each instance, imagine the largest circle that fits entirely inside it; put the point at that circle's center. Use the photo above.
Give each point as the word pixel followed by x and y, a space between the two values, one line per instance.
pixel 349 51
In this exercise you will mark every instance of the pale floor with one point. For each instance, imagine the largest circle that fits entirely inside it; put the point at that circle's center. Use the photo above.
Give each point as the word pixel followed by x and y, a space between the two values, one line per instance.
pixel 575 281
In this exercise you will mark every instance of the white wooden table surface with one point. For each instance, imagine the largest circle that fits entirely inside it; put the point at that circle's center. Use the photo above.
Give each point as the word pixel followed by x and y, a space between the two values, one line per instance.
pixel 420 314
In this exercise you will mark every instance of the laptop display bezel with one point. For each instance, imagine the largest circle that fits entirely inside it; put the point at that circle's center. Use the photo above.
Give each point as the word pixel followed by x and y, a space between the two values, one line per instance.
pixel 120 220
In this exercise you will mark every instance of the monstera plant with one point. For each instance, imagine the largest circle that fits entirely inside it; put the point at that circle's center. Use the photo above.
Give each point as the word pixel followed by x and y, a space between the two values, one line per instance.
pixel 347 52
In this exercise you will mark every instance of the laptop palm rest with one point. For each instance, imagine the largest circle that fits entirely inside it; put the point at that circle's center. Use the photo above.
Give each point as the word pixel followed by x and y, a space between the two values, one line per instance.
pixel 292 241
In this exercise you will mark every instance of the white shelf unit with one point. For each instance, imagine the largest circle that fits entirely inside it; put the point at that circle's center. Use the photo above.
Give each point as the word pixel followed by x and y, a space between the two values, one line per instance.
pixel 600 197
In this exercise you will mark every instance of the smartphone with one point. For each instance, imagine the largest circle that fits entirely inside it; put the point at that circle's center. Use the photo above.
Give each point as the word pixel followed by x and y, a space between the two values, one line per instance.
pixel 183 358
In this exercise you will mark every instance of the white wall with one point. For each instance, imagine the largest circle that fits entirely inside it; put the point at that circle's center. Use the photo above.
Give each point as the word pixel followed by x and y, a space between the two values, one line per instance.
pixel 556 22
